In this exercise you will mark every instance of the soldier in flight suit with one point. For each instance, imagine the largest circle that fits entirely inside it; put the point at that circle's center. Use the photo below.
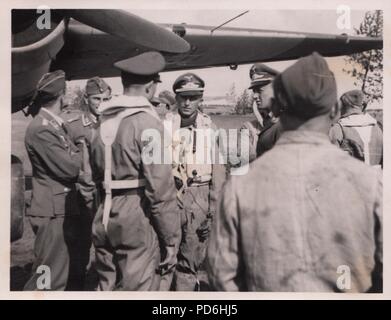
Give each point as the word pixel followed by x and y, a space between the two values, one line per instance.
pixel 136 230
pixel 56 161
pixel 196 184
pixel 80 124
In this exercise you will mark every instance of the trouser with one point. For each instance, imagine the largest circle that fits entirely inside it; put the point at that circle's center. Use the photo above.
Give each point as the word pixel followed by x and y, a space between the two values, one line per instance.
pixel 128 254
pixel 192 250
pixel 81 254
pixel 56 250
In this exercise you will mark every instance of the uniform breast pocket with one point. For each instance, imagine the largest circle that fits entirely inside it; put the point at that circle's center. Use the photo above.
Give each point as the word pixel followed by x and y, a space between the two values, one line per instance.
pixel 65 201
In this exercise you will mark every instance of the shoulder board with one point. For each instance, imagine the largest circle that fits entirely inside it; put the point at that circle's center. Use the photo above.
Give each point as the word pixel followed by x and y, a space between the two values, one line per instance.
pixel 204 114
pixel 54 124
pixel 77 117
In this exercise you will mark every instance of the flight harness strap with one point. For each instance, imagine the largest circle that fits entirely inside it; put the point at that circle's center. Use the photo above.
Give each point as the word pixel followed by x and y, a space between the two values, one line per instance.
pixel 109 128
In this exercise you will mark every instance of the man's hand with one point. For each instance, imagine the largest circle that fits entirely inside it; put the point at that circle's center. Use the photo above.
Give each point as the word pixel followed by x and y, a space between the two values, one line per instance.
pixel 169 261
pixel 204 229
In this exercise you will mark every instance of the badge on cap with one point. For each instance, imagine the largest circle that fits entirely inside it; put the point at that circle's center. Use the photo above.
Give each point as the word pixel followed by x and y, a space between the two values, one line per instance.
pixel 189 83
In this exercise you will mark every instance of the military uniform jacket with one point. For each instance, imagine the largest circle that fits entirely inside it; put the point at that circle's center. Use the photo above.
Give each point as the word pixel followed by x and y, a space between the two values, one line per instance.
pixel 304 209
pixel 268 137
pixel 80 124
pixel 55 164
pixel 80 127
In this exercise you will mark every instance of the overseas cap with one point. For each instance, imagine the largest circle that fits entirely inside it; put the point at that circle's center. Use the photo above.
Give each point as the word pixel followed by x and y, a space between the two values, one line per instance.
pixel 308 86
pixel 51 84
pixel 354 98
pixel 167 97
pixel 189 84
pixel 96 85
pixel 261 75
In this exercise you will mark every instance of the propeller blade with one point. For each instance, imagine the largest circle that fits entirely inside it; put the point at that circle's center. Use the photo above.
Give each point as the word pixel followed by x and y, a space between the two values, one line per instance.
pixel 132 28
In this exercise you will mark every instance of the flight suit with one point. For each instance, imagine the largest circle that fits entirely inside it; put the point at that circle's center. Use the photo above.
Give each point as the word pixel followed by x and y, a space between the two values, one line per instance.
pixel 198 189
pixel 142 220
pixel 80 125
pixel 54 213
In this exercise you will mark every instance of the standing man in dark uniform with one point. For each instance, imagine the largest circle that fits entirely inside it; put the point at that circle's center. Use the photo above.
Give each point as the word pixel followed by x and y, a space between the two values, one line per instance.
pixel 136 230
pixel 261 77
pixel 56 162
pixel 80 124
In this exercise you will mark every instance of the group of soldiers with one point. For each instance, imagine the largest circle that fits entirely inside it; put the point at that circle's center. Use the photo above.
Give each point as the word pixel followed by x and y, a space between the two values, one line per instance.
pixel 154 226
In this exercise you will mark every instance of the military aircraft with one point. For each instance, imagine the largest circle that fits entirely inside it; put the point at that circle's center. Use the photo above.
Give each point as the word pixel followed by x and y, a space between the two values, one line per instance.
pixel 84 42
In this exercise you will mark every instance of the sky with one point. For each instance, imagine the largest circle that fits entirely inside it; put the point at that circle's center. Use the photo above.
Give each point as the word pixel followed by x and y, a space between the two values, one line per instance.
pixel 220 80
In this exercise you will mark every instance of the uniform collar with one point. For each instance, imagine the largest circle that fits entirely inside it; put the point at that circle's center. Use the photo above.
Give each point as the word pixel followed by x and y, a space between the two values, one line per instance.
pixel 303 137
pixel 55 117
pixel 88 118
pixel 125 101
pixel 358 120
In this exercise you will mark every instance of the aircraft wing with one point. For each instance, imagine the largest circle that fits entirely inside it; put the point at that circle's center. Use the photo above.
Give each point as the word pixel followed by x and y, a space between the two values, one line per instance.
pixel 234 46
pixel 88 51
pixel 83 51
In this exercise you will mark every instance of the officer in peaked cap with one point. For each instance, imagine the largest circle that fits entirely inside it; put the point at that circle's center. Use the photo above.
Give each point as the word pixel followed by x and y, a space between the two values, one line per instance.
pixel 81 121
pixel 196 182
pixel 139 224
pixel 189 84
pixel 261 77
pixel 56 161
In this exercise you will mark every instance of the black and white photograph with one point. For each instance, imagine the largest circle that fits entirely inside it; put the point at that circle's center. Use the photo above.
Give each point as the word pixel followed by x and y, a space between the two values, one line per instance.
pixel 184 149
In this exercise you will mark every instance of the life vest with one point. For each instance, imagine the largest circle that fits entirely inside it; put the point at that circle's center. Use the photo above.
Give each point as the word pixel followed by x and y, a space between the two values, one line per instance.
pixel 112 113
pixel 191 158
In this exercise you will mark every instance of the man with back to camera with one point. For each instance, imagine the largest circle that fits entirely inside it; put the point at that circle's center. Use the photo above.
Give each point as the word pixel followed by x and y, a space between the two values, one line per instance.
pixel 56 162
pixel 136 230
pixel 358 132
